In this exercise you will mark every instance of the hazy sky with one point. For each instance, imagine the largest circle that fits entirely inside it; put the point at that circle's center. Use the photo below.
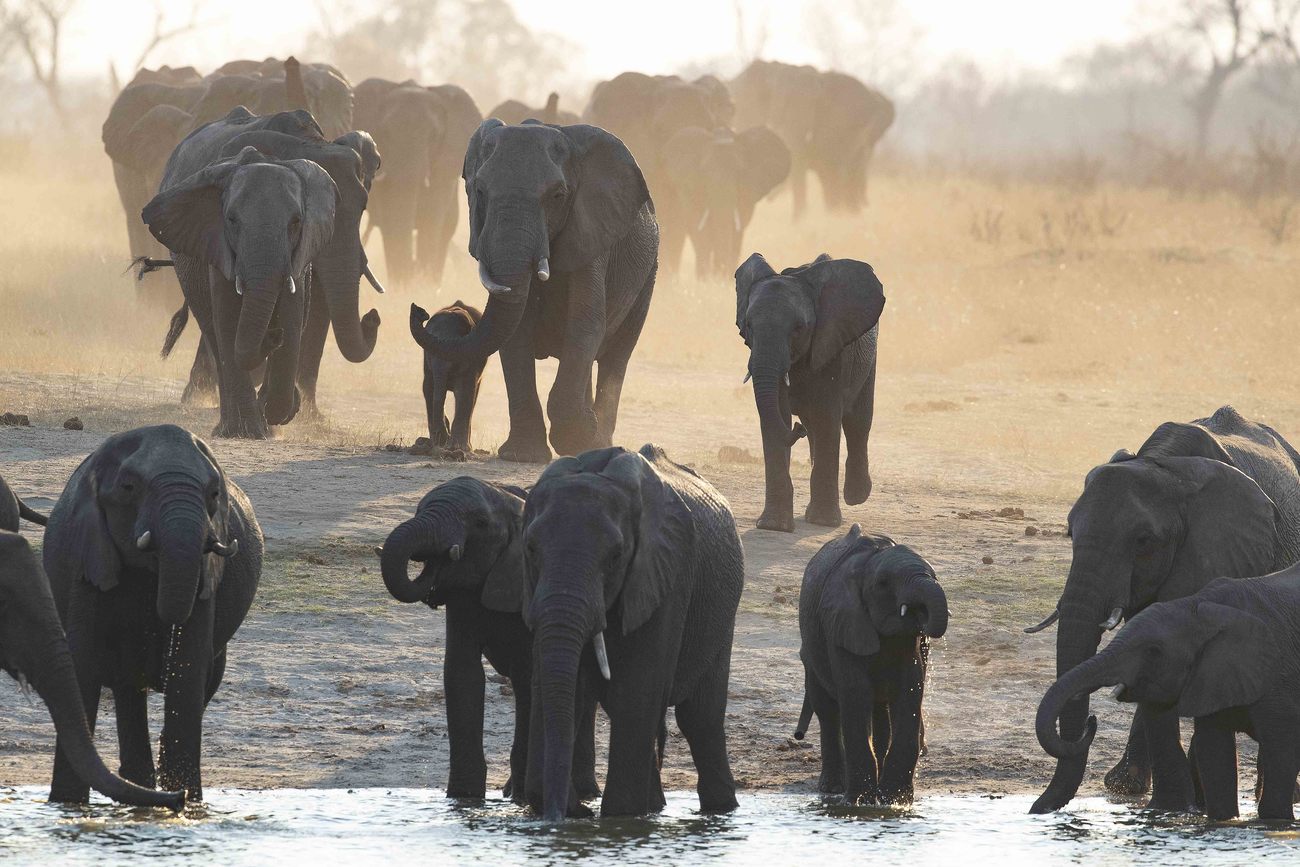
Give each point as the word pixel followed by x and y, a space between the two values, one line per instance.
pixel 1004 35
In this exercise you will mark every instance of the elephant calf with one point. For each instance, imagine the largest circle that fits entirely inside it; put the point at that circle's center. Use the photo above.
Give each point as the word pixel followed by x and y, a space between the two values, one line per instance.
pixel 12 508
pixel 442 375
pixel 467 534
pixel 866 611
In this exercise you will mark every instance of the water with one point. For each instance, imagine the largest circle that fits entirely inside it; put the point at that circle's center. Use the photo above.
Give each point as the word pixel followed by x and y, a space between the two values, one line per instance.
pixel 392 826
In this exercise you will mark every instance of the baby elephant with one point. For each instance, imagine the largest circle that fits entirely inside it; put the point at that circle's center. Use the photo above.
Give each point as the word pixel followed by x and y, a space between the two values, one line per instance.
pixel 866 610
pixel 1228 656
pixel 12 508
pixel 461 378
pixel 467 534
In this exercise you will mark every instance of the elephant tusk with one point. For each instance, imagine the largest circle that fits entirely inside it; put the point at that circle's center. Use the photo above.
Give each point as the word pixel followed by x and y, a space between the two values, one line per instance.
pixel 239 285
pixel 787 380
pixel 143 542
pixel 489 284
pixel 543 270
pixel 454 553
pixel 370 278
pixel 1115 693
pixel 379 550
pixel 703 219
pixel 293 287
pixel 748 376
pixel 1113 620
pixel 601 658
pixel 735 217
pixel 1051 618
pixel 224 550
pixel 902 612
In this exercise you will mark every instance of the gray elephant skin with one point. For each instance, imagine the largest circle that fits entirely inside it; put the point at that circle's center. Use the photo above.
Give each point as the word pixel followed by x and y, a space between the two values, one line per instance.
pixel 513 111
pixel 12 509
pixel 468 536
pixel 34 650
pixel 1227 656
pixel 567 207
pixel 831 122
pixel 867 607
pixel 633 573
pixel 248 203
pixel 460 378
pixel 1217 497
pixel 422 133
pixel 153 557
pixel 812 334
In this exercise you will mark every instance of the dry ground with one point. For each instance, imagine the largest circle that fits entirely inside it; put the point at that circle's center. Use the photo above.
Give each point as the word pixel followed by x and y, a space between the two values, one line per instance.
pixel 1009 366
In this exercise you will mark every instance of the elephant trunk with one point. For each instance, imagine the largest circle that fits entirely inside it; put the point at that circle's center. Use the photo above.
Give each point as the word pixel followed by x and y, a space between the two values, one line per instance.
pixel 1081 680
pixel 926 592
pixel 181 535
pixel 254 339
pixel 337 271
pixel 401 545
pixel 280 397
pixel 500 319
pixel 559 651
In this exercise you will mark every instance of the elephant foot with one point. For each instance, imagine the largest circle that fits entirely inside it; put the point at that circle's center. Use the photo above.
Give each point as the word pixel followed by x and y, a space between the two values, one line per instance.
pixel 574 436
pixel 518 450
pixel 469 791
pixel 1127 778
pixel 857 486
pixel 773 519
pixel 824 516
pixel 830 785
pixel 199 394
pixel 241 429
pixel 588 790
pixel 1172 804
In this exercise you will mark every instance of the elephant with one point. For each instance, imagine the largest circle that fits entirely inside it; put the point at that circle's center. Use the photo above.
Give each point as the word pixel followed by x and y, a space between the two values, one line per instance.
pixel 1228 656
pixel 867 610
pixel 214 259
pixel 712 179
pixel 462 379
pixel 422 132
pixel 512 111
pixel 34 650
pixel 12 509
pixel 468 534
pixel 831 122
pixel 566 206
pixel 632 575
pixel 273 85
pixel 154 557
pixel 1217 497
pixel 812 333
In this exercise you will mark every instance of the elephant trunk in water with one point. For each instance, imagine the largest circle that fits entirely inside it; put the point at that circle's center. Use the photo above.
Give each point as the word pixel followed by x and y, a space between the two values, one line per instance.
pixel 559 651
pixel 926 592
pixel 181 536
pixel 418 536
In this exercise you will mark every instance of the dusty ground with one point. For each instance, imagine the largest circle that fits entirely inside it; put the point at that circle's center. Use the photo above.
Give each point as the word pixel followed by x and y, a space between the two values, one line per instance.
pixel 1008 368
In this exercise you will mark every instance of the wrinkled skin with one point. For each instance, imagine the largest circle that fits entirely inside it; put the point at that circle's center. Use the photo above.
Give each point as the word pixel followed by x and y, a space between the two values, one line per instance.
pixel 1229 657
pixel 12 509
pixel 422 133
pixel 865 662
pixel 1219 497
pixel 150 585
pixel 712 180
pixel 512 111
pixel 830 121
pixel 33 650
pixel 568 207
pixel 634 554
pixel 467 535
pixel 460 379
pixel 812 334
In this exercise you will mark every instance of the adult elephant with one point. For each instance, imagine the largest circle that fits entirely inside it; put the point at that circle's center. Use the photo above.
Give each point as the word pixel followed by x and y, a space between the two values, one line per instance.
pixel 1217 497
pixel 211 252
pixel 513 111
pixel 831 122
pixel 422 133
pixel 633 572
pixel 273 85
pixel 34 650
pixel 712 181
pixel 154 557
pixel 567 206
pixel 12 509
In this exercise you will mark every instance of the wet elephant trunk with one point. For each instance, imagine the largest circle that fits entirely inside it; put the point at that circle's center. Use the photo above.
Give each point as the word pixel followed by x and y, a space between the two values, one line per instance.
pixel 394 559
pixel 927 593
pixel 181 535
pixel 559 651
pixel 1082 680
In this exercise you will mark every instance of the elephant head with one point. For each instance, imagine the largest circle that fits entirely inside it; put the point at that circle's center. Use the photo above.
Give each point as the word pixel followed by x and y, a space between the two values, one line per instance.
pixel 604 536
pixel 153 499
pixel 542 200
pixel 467 533
pixel 1196 654
pixel 1147 528
pixel 878 589
pixel 259 222
pixel 34 650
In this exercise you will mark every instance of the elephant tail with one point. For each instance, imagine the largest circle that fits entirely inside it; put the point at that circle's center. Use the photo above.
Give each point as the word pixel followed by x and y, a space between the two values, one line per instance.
pixel 805 717
pixel 180 319
pixel 27 513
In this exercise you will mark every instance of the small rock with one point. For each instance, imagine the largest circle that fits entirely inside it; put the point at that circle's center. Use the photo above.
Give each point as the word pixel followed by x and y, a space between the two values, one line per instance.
pixel 73 423
pixel 15 419
pixel 779 599
pixel 1031 530
pixel 392 447
pixel 986 560
pixel 421 446
pixel 1011 512
pixel 454 455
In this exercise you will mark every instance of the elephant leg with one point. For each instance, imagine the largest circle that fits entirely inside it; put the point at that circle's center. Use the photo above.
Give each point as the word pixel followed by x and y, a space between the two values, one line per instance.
pixel 907 736
pixel 632 786
pixel 135 752
pixel 466 393
pixel 1171 775
pixel 202 384
pixel 521 676
pixel 573 423
pixel 1132 774
pixel 312 349
pixel 824 443
pixel 861 783
pixel 1215 749
pixel 527 440
pixel 434 389
pixel 584 747
pixel 702 719
pixel 463 685
pixel 1279 762
pixel 241 414
pixel 187 668
pixel 613 367
pixel 857 433
pixel 828 726
pixel 881 734
pixel 778 488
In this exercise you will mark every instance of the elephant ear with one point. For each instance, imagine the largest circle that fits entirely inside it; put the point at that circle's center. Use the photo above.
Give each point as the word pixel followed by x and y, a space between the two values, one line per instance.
pixel 664 537
pixel 764 162
pixel 751 271
pixel 213 565
pixel 849 301
pixel 843 607
pixel 1235 664
pixel 477 152
pixel 188 217
pixel 152 138
pixel 78 542
pixel 607 191
pixel 371 160
pixel 503 587
pixel 320 199
pixel 1177 439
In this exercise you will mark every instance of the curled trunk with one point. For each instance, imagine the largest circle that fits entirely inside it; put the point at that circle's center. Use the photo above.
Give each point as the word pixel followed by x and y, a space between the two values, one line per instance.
pixel 500 319
pixel 337 271
pixel 396 557
pixel 927 592
pixel 1081 680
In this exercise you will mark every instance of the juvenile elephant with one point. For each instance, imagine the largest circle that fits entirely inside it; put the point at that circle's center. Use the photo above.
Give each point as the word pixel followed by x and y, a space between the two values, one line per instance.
pixel 633 572
pixel 441 376
pixel 468 536
pixel 1229 656
pixel 566 206
pixel 513 111
pixel 867 609
pixel 1219 497
pixel 711 182
pixel 33 650
pixel 812 333
pixel 12 508
pixel 153 557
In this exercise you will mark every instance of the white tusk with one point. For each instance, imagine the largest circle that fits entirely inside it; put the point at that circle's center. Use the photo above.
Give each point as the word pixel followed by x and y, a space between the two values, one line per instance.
pixel 1113 620
pixel 735 215
pixel 492 286
pixel 543 270
pixel 703 219
pixel 454 553
pixel 1114 693
pixel 601 658
pixel 143 542
pixel 787 380
pixel 379 551
pixel 902 612
pixel 293 287
pixel 748 375
pixel 374 282
pixel 1052 618
pixel 239 285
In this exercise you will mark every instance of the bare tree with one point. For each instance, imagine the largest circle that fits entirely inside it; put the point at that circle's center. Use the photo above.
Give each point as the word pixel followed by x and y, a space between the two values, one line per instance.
pixel 162 33
pixel 35 28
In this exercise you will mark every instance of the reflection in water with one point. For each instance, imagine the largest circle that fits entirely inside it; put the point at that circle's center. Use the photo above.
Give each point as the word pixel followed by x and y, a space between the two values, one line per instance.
pixel 326 826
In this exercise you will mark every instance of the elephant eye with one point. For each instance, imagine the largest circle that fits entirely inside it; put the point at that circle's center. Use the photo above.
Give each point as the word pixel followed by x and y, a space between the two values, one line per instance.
pixel 127 487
